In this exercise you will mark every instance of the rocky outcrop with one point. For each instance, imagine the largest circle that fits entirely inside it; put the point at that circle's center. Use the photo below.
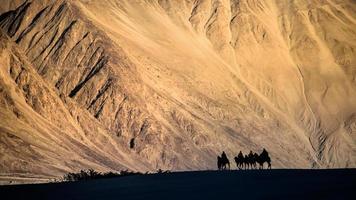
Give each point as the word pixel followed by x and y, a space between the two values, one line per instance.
pixel 41 133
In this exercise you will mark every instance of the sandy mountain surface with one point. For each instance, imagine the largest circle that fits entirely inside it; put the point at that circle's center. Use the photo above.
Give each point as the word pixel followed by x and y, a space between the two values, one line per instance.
pixel 170 84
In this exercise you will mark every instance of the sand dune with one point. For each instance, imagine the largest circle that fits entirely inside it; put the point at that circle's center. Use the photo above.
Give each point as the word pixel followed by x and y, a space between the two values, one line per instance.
pixel 182 80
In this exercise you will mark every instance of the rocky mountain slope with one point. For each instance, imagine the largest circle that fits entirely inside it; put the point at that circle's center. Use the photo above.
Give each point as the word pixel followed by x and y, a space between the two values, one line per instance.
pixel 148 84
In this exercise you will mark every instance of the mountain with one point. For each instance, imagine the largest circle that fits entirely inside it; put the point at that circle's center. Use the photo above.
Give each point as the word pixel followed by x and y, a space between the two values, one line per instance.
pixel 149 84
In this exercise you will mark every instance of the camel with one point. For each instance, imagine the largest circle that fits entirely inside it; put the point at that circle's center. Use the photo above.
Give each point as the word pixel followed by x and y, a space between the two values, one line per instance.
pixel 223 162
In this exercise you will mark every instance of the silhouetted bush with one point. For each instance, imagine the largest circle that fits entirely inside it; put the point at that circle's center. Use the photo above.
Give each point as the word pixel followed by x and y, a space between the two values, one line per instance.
pixel 92 174
pixel 160 171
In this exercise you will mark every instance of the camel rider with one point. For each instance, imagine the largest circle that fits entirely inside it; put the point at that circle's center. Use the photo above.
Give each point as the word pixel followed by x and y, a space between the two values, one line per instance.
pixel 264 152
pixel 250 154
pixel 223 156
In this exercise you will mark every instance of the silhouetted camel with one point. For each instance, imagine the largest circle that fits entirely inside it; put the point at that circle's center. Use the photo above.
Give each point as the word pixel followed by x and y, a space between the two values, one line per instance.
pixel 249 161
pixel 223 162
pixel 239 160
pixel 255 158
pixel 264 157
pixel 242 162
pixel 246 162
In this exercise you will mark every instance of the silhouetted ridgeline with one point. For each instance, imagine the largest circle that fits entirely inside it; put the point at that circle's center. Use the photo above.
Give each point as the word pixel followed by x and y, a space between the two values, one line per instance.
pixel 230 184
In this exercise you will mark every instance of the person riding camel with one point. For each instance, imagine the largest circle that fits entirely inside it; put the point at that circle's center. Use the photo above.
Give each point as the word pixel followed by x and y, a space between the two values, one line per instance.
pixel 250 155
pixel 240 155
pixel 264 152
pixel 225 161
pixel 223 155
pixel 264 157
pixel 250 159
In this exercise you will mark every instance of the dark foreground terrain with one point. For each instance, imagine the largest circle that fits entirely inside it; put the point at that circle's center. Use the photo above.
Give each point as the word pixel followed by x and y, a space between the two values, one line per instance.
pixel 254 184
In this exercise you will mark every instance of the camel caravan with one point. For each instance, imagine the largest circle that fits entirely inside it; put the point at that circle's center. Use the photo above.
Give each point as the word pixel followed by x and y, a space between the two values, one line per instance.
pixel 249 161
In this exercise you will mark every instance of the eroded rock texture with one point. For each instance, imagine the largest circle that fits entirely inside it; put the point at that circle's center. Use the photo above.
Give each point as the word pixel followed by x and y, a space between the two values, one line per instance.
pixel 182 80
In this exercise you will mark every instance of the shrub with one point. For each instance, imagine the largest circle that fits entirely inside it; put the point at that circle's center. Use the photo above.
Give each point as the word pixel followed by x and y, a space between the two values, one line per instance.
pixel 90 174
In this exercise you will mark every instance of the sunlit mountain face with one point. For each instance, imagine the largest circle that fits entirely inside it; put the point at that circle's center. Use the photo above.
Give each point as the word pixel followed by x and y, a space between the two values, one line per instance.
pixel 170 84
